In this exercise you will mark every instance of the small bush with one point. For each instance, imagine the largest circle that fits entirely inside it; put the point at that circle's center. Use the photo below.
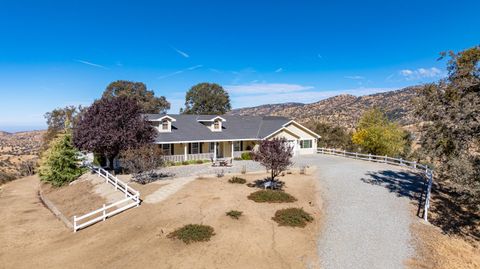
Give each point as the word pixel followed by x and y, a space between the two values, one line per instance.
pixel 237 180
pixel 271 196
pixel 294 217
pixel 237 159
pixel 199 161
pixel 220 173
pixel 246 156
pixel 193 233
pixel 234 214
pixel 185 163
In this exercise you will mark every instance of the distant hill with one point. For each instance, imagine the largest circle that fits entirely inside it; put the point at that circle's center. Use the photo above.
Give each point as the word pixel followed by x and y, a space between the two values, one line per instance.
pixel 344 110
pixel 15 149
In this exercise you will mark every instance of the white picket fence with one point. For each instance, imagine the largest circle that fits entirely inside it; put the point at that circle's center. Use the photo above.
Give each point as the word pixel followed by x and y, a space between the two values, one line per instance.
pixel 132 198
pixel 424 169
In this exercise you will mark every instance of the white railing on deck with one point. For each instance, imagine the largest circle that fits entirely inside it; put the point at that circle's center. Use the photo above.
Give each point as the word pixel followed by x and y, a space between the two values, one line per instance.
pixel 190 157
pixel 424 169
pixel 132 198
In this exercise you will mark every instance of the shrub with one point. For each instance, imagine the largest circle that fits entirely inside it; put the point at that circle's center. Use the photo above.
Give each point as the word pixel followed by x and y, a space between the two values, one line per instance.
pixel 246 156
pixel 193 233
pixel 294 217
pixel 143 162
pixel 185 163
pixel 234 214
pixel 237 180
pixel 271 196
pixel 199 161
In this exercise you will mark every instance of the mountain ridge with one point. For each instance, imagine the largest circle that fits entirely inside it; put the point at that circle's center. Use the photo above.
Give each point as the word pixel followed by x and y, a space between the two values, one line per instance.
pixel 345 109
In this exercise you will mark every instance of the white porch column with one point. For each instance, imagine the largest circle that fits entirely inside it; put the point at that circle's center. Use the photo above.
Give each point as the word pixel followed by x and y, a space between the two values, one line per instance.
pixel 185 151
pixel 215 151
pixel 232 150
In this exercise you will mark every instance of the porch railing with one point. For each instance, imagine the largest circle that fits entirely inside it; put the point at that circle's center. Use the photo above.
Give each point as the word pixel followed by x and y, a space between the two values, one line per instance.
pixel 190 157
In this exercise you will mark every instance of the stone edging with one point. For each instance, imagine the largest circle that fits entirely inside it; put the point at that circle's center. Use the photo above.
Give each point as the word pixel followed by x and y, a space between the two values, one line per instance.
pixel 53 209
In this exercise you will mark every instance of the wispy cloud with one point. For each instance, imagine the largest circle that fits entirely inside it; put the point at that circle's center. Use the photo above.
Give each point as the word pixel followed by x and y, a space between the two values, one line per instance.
pixel 180 71
pixel 265 88
pixel 184 54
pixel 355 77
pixel 420 73
pixel 279 70
pixel 319 56
pixel 90 64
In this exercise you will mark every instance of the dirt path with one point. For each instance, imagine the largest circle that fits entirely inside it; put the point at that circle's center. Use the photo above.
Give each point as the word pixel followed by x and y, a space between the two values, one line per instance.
pixel 21 210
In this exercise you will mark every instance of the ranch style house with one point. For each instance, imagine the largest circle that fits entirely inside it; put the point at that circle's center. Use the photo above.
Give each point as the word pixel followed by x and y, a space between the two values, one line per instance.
pixel 208 137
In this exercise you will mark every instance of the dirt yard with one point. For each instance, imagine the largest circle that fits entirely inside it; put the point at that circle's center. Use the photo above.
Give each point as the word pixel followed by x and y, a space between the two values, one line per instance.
pixel 435 250
pixel 30 236
pixel 67 200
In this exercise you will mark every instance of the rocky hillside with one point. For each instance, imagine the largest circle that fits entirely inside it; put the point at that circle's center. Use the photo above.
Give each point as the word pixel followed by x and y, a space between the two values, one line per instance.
pixel 17 150
pixel 344 110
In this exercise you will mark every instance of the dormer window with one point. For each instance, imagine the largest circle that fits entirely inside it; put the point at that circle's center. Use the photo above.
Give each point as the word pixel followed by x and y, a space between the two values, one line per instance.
pixel 165 125
pixel 214 123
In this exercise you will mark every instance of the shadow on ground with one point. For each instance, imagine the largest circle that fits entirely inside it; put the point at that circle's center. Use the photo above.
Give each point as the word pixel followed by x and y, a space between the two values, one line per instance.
pixel 453 211
pixel 402 183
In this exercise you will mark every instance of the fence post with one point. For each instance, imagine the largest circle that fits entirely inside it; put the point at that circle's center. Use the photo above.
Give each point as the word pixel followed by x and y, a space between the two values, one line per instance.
pixel 401 162
pixel 415 164
pixel 356 155
pixel 104 215
pixel 344 153
pixel 427 199
pixel 126 190
pixel 116 183
pixel 385 159
pixel 369 156
pixel 74 224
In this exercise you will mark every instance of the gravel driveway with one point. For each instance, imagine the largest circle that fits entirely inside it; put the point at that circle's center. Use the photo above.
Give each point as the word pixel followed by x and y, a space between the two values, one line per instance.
pixel 368 212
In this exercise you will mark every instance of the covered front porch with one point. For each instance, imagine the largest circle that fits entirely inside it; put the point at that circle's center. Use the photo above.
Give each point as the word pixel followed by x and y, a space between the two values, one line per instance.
pixel 206 150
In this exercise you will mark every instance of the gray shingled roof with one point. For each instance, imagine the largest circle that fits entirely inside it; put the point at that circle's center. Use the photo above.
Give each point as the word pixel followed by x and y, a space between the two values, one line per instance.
pixel 188 128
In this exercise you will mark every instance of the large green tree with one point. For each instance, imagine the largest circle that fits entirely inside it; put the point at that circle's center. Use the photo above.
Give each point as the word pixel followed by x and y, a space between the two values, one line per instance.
pixel 376 134
pixel 138 91
pixel 450 111
pixel 208 99
pixel 333 136
pixel 57 121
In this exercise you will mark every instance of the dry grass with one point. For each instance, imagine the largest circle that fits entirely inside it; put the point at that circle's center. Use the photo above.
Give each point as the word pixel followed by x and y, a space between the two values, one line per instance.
pixel 435 250
pixel 271 196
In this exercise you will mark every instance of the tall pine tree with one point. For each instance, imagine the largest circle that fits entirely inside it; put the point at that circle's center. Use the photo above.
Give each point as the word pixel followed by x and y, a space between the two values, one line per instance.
pixel 60 164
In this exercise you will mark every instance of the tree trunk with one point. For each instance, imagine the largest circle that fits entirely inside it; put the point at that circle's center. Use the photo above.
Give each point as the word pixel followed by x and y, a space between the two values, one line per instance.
pixel 110 163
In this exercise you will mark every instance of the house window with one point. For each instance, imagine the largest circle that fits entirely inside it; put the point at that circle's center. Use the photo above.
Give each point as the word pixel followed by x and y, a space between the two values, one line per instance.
pixel 166 149
pixel 216 125
pixel 194 148
pixel 306 144
pixel 165 125
pixel 237 146
pixel 211 147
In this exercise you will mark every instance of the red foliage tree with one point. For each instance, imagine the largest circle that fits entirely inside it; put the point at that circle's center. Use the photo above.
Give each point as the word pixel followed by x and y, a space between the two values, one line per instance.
pixel 111 125
pixel 275 155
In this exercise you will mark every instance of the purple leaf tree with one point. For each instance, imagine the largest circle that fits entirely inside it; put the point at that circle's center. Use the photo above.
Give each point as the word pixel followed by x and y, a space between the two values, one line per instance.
pixel 275 155
pixel 110 125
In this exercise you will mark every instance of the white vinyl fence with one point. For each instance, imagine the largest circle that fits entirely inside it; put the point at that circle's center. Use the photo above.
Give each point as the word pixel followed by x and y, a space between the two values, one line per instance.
pixel 424 169
pixel 132 198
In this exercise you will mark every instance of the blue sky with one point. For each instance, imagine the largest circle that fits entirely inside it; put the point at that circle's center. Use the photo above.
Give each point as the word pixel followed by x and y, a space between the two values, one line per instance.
pixel 57 53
